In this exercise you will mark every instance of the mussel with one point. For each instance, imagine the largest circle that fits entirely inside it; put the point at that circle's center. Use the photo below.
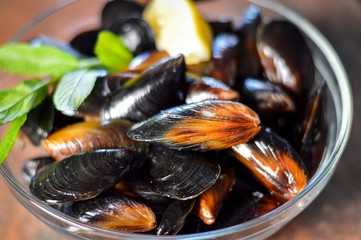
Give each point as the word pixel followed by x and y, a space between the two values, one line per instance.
pixel 32 166
pixel 90 136
pixel 117 11
pixel 180 174
pixel 210 202
pixel 83 176
pixel 117 212
pixel 159 87
pixel 266 98
pixel 84 42
pixel 136 34
pixel 274 162
pixel 175 217
pixel 39 122
pixel 208 125
pixel 286 58
pixel 207 88
pixel 249 63
pixel 225 56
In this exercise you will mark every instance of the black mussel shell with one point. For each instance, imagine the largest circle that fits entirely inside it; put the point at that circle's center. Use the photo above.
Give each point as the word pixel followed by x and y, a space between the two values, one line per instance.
pixel 90 136
pixel 209 89
pixel 136 34
pixel 313 131
pixel 32 166
pixel 116 212
pixel 39 122
pixel 159 87
pixel 249 63
pixel 274 163
pixel 175 217
pixel 48 41
pixel 180 174
pixel 83 176
pixel 266 98
pixel 84 42
pixel 207 125
pixel 225 56
pixel 118 10
pixel 286 58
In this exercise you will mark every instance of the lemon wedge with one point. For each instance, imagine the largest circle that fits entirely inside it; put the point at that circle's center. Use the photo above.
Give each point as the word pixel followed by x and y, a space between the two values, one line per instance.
pixel 179 28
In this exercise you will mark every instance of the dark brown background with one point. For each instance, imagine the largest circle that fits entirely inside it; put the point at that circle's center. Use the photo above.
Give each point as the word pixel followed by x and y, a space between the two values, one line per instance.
pixel 335 214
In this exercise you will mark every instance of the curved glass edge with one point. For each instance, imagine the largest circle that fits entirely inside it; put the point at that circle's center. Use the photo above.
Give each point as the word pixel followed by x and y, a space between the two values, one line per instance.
pixel 344 121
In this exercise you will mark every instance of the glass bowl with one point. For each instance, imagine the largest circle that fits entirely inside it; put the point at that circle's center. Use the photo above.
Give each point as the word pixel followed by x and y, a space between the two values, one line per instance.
pixel 339 109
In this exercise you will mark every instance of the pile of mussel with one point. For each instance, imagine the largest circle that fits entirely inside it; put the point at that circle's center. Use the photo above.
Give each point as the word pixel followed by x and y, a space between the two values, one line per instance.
pixel 168 148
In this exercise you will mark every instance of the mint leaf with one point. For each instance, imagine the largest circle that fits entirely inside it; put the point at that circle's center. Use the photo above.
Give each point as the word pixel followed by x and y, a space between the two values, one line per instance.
pixel 37 60
pixel 9 139
pixel 74 87
pixel 112 51
pixel 20 99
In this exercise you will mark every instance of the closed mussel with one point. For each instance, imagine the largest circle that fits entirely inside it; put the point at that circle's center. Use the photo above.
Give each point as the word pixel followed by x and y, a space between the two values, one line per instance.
pixel 175 217
pixel 207 88
pixel 159 87
pixel 117 212
pixel 286 57
pixel 90 136
pixel 274 162
pixel 210 202
pixel 117 11
pixel 208 125
pixel 180 174
pixel 83 176
pixel 266 98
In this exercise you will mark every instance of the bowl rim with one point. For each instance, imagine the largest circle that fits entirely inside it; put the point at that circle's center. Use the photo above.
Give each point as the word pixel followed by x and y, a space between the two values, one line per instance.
pixel 344 123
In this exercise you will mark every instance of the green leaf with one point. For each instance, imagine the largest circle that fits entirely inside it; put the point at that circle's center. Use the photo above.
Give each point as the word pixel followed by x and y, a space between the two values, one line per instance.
pixel 37 60
pixel 112 51
pixel 20 99
pixel 74 87
pixel 9 139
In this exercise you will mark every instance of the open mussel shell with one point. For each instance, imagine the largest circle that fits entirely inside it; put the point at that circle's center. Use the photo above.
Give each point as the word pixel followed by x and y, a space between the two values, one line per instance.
pixel 90 136
pixel 286 57
pixel 115 11
pixel 274 162
pixel 266 98
pixel 208 125
pixel 83 176
pixel 175 217
pixel 210 202
pixel 207 88
pixel 116 212
pixel 180 174
pixel 159 87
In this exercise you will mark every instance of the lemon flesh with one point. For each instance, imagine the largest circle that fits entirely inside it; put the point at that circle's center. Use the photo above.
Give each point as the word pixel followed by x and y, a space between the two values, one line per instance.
pixel 179 28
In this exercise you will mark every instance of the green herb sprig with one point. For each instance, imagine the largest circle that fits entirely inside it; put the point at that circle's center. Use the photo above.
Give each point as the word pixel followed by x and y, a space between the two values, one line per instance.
pixel 74 79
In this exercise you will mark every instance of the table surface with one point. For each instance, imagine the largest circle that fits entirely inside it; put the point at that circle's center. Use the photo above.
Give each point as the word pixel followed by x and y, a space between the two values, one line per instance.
pixel 335 214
